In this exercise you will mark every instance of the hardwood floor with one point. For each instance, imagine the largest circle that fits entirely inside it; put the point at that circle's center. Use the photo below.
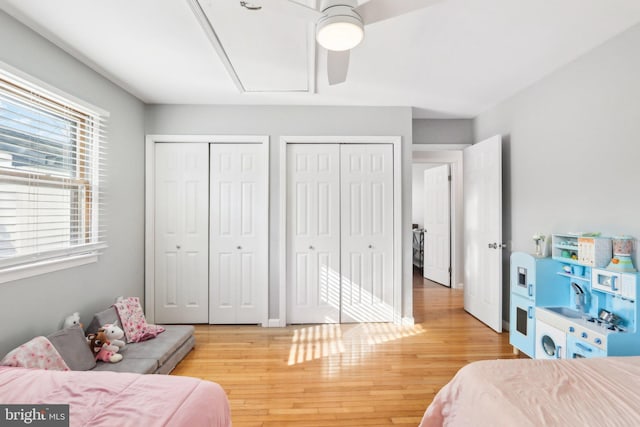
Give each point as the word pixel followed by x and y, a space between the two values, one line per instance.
pixel 341 375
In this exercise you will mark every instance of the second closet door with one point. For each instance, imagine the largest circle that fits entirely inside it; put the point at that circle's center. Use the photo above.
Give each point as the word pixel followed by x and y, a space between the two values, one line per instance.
pixel 366 247
pixel 238 234
pixel 340 233
pixel 313 233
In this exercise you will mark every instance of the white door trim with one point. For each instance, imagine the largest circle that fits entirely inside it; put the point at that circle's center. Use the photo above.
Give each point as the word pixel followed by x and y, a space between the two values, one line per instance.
pixel 451 154
pixel 149 238
pixel 396 141
pixel 438 147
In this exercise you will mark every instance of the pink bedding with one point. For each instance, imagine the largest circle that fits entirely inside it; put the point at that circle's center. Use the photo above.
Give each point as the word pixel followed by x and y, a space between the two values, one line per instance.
pixel 119 399
pixel 585 392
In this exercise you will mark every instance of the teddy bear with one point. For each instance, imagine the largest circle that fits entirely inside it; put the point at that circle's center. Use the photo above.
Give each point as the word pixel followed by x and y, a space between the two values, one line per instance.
pixel 98 345
pixel 114 337
pixel 72 320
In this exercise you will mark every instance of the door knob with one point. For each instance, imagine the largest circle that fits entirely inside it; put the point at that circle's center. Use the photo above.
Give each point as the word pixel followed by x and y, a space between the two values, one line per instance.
pixel 311 247
pixel 239 247
pixel 370 246
pixel 177 246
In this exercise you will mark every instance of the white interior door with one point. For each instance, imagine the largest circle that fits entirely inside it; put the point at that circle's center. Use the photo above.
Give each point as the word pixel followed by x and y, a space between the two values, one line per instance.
pixel 483 231
pixel 437 223
pixel 239 233
pixel 367 233
pixel 313 233
pixel 181 229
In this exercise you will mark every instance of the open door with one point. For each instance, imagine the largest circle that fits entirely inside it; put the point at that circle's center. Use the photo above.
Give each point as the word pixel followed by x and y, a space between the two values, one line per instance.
pixel 482 179
pixel 437 225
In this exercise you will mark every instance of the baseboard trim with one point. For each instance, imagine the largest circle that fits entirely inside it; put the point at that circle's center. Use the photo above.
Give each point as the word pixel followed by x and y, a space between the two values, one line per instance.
pixel 407 321
pixel 275 323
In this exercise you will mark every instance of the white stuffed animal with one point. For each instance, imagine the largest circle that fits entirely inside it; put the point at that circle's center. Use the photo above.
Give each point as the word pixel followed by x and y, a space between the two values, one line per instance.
pixel 72 320
pixel 114 337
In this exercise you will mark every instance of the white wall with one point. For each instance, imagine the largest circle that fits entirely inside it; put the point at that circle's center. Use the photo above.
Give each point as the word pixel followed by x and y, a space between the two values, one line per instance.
pixel 572 148
pixel 37 305
pixel 276 121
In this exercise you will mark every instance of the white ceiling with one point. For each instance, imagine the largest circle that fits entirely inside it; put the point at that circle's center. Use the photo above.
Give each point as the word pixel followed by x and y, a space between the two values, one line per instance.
pixel 454 59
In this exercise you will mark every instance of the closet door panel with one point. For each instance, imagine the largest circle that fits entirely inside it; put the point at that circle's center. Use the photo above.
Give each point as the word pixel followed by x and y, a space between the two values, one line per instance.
pixel 239 230
pixel 313 233
pixel 367 233
pixel 181 234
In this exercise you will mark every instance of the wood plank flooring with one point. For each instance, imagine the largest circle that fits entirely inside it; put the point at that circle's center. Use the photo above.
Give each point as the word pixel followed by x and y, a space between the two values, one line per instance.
pixel 344 375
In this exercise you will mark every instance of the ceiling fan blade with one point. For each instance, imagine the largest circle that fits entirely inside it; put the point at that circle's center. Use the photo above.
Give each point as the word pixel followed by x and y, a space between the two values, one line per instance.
pixel 379 10
pixel 337 66
pixel 287 7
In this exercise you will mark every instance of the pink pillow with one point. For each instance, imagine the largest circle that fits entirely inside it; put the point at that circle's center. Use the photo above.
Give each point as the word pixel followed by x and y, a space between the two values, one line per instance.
pixel 134 324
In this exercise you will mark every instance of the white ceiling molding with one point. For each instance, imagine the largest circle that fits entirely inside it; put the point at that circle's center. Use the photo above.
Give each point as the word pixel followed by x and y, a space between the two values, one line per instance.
pixel 263 51
pixel 210 32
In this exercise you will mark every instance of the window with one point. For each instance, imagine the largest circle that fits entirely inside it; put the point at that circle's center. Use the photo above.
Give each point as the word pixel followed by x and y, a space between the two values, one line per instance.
pixel 50 171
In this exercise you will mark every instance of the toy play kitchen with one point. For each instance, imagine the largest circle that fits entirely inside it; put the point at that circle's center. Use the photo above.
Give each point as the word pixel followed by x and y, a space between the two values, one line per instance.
pixel 622 249
pixel 581 302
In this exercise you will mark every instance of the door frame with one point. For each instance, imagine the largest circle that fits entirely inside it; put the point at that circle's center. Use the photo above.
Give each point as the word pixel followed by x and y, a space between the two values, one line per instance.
pixel 396 142
pixel 451 154
pixel 149 203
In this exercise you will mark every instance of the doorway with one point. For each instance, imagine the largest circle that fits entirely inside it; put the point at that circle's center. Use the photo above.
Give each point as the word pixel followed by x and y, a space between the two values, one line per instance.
pixel 424 157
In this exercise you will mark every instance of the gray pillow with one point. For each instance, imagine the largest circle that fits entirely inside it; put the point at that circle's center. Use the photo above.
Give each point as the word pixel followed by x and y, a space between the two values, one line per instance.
pixel 72 346
pixel 110 315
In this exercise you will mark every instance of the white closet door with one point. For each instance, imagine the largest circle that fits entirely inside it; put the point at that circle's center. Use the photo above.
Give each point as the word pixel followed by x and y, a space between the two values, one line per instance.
pixel 313 234
pixel 367 233
pixel 239 230
pixel 181 233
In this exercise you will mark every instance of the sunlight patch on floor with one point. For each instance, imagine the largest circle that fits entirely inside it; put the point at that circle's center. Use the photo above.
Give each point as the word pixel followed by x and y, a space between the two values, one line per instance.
pixel 320 341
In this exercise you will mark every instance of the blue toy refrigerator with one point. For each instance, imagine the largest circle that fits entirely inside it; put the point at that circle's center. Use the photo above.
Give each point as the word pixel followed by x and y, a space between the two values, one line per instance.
pixel 534 282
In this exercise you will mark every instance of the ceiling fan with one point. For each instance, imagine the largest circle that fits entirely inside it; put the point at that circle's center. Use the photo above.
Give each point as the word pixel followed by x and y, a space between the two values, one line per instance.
pixel 340 24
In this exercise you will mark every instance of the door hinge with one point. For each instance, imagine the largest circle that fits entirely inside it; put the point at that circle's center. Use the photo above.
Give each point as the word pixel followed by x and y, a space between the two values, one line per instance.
pixel 449 177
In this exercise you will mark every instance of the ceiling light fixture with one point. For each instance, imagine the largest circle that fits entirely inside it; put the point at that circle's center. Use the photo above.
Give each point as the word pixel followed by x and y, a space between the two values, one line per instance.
pixel 340 29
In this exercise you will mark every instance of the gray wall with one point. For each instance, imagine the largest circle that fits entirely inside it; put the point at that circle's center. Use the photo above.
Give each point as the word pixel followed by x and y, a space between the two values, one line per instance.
pixel 442 131
pixel 37 305
pixel 571 148
pixel 296 120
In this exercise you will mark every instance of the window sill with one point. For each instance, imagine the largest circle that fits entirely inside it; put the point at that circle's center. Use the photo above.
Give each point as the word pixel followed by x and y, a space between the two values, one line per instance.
pixel 10 274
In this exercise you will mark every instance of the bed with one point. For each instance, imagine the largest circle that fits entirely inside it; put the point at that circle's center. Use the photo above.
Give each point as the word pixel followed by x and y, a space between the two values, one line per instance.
pixel 520 392
pixel 119 399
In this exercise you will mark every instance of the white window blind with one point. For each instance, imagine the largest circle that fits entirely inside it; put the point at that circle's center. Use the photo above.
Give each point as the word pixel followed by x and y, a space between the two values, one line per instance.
pixel 51 164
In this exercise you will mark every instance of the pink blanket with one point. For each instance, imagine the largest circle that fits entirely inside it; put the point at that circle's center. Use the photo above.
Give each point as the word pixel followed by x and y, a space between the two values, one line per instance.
pixel 119 399
pixel 581 392
pixel 38 353
pixel 134 324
